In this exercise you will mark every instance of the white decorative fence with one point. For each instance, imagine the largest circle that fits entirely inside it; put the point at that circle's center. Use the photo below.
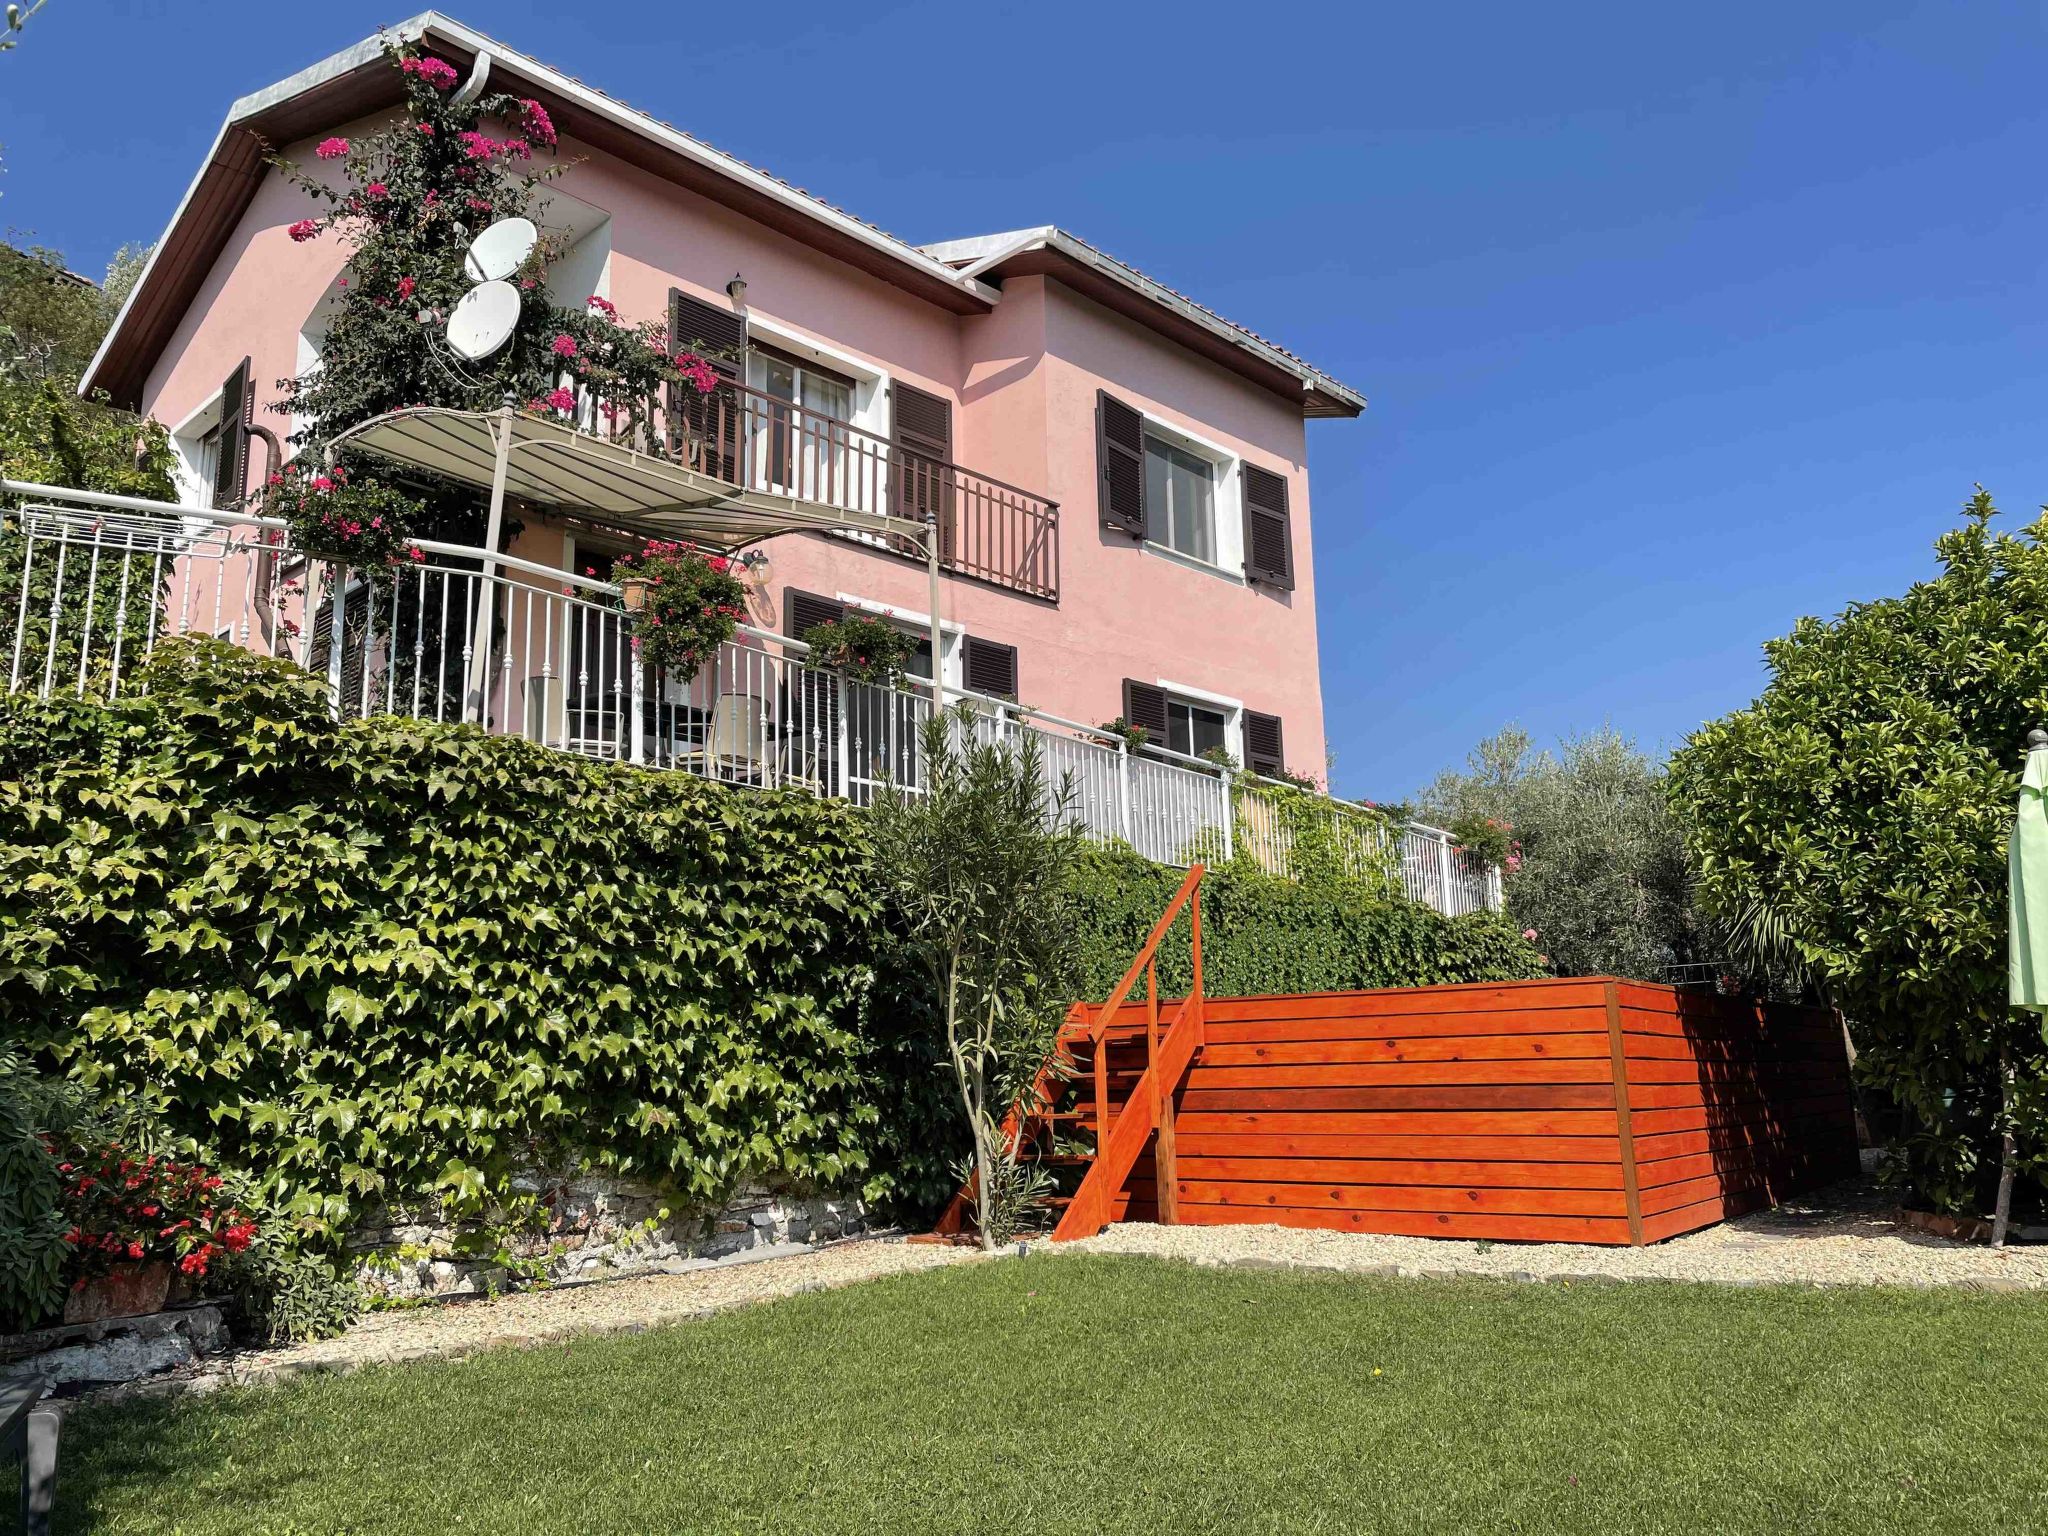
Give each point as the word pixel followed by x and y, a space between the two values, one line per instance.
pixel 90 584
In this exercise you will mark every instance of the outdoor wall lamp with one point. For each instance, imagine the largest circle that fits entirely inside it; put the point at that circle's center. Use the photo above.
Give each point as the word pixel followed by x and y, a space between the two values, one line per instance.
pixel 736 289
pixel 756 562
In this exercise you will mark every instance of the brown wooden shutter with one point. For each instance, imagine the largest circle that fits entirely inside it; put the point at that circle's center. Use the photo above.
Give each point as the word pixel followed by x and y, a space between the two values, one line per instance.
pixel 803 611
pixel 922 426
pixel 712 422
pixel 1263 751
pixel 1268 530
pixel 1120 460
pixel 810 710
pixel 990 667
pixel 237 414
pixel 1145 707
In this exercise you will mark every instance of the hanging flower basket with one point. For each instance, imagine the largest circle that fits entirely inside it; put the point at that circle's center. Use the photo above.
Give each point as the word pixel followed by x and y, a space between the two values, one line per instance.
pixel 860 649
pixel 126 1290
pixel 684 603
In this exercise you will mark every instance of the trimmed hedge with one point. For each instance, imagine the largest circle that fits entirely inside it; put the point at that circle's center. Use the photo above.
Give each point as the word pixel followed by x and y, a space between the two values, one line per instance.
pixel 383 961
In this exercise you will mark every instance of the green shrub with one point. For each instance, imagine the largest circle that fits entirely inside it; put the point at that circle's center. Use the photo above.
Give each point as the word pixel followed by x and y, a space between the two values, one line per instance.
pixel 390 960
pixel 1853 822
pixel 31 1223
pixel 1263 934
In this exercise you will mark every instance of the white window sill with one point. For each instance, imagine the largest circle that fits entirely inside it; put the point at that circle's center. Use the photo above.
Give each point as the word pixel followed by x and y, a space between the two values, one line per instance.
pixel 1168 552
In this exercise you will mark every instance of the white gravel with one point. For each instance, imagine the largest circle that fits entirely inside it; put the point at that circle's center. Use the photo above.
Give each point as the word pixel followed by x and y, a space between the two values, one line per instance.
pixel 527 1318
pixel 1847 1235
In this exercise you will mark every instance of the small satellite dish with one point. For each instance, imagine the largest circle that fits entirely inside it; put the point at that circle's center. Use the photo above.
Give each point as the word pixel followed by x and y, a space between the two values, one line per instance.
pixel 500 250
pixel 484 318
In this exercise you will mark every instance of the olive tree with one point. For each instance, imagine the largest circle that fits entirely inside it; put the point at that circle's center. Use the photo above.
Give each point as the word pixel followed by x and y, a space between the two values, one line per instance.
pixel 1593 863
pixel 976 860
pixel 1854 818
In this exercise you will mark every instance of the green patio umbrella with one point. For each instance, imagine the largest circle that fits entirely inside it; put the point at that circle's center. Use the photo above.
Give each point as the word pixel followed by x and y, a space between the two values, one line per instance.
pixel 2027 874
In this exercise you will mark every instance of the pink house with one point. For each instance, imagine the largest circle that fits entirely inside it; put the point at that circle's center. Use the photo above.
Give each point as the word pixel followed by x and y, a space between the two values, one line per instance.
pixel 1122 474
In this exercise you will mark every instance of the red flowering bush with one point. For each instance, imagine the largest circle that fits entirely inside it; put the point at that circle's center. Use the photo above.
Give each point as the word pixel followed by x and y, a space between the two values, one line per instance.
pixel 862 649
pixel 1487 841
pixel 685 603
pixel 129 1209
pixel 358 521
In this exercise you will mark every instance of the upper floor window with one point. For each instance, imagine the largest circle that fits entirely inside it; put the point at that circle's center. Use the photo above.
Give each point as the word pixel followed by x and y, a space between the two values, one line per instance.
pixel 1180 500
pixel 1195 729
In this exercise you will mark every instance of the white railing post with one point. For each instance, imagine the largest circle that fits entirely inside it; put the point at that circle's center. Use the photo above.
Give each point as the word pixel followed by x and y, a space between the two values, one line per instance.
pixel 637 725
pixel 1229 814
pixel 1123 789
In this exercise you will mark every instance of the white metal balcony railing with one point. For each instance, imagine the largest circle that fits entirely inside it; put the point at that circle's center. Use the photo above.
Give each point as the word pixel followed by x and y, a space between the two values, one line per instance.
pixel 100 580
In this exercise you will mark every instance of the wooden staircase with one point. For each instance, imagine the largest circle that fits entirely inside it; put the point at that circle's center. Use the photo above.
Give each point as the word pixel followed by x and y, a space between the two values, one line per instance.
pixel 1106 1094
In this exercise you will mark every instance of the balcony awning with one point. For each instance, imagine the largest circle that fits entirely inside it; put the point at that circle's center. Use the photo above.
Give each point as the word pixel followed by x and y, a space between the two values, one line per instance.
pixel 551 464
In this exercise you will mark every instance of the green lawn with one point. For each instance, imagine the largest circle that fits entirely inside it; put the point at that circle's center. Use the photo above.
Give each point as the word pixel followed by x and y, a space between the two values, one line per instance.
pixel 1074 1393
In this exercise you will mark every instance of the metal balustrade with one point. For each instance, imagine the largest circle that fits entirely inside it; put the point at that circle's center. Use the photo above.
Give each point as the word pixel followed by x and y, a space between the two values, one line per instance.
pixel 90 585
pixel 988 529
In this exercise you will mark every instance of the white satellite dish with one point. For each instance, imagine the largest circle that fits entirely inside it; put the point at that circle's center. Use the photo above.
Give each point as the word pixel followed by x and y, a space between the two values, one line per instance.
pixel 483 319
pixel 500 250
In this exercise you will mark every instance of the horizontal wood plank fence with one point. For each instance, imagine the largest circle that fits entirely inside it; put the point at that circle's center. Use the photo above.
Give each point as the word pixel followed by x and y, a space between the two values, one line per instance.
pixel 1577 1110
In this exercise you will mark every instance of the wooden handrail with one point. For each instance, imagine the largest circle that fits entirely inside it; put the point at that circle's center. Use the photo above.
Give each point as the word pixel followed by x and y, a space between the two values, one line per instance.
pixel 1151 948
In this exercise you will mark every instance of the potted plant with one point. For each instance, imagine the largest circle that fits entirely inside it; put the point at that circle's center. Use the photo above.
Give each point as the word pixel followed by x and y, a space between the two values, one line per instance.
pixel 133 1219
pixel 684 603
pixel 1132 736
pixel 861 649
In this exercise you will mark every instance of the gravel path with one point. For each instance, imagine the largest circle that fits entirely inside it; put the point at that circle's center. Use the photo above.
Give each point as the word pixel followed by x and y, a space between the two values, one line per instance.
pixel 526 1318
pixel 1847 1235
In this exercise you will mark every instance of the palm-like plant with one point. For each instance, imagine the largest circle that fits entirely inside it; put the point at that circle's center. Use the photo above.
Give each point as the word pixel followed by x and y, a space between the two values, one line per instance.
pixel 976 862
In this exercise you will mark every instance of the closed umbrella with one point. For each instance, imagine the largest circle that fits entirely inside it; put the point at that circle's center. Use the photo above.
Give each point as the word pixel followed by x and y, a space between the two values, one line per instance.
pixel 2027 874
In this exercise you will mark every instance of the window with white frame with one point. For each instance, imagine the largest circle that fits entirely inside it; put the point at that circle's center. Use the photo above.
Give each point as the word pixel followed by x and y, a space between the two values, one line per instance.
pixel 1195 727
pixel 1180 500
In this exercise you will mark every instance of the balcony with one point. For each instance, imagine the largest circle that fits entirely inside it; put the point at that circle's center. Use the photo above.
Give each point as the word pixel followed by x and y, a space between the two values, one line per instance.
pixel 529 650
pixel 763 450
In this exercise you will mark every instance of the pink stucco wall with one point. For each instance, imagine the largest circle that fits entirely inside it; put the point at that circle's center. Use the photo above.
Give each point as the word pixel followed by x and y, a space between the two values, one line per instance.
pixel 1023 379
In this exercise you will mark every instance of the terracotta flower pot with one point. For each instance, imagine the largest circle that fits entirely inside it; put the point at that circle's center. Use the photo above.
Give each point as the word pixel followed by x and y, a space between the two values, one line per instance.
pixel 633 590
pixel 127 1290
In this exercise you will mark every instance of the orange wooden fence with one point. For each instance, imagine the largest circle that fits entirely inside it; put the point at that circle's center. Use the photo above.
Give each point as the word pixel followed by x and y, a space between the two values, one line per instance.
pixel 1581 1110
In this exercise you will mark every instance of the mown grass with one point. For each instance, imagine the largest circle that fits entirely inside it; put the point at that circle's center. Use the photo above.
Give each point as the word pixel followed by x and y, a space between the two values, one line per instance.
pixel 1077 1393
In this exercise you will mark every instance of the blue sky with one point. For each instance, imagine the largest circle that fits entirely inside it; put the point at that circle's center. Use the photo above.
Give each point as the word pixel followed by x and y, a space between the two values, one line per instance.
pixel 1677 324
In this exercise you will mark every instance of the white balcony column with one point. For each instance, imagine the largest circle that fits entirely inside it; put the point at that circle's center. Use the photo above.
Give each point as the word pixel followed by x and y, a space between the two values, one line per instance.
pixel 637 723
pixel 494 532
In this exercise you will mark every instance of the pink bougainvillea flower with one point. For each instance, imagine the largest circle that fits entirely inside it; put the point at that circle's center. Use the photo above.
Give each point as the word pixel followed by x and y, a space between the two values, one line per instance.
pixel 604 307
pixel 561 400
pixel 432 198
pixel 331 149
pixel 516 149
pixel 435 72
pixel 322 483
pixel 405 287
pixel 427 129
pixel 304 230
pixel 482 205
pixel 563 346
pixel 539 126
pixel 476 145
pixel 1529 934
pixel 376 189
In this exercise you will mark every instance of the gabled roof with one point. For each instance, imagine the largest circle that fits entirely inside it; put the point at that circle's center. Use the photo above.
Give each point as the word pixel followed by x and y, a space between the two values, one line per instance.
pixel 358 83
pixel 1051 250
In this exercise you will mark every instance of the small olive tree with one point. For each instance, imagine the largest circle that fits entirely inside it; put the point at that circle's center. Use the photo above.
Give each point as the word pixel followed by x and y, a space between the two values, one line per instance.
pixel 976 860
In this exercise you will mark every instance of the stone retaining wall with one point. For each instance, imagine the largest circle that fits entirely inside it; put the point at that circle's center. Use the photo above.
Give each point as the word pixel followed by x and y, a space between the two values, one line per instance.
pixel 586 1226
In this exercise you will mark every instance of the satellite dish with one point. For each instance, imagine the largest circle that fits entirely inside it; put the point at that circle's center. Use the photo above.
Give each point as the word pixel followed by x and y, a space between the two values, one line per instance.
pixel 500 250
pixel 483 319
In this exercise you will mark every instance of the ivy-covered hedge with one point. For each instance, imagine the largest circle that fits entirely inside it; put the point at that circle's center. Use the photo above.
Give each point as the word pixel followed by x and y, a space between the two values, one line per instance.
pixel 383 960
pixel 1261 934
